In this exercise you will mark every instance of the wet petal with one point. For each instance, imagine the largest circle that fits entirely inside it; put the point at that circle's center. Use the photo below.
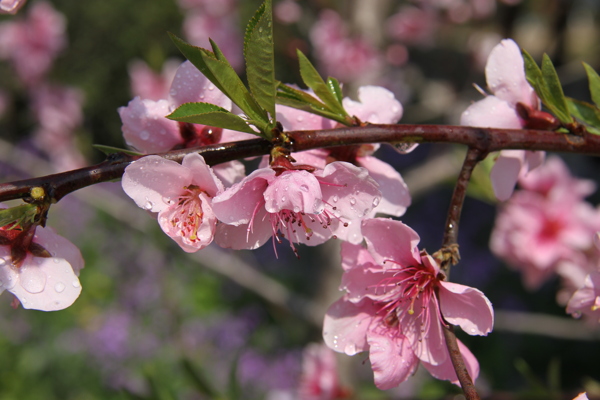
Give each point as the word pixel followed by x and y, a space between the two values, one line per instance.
pixel 466 307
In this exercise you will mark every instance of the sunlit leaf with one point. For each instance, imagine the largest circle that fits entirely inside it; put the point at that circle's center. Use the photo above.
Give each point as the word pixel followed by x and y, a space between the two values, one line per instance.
pixel 260 57
pixel 313 80
pixel 585 113
pixel 556 99
pixel 594 80
pixel 335 88
pixel 210 114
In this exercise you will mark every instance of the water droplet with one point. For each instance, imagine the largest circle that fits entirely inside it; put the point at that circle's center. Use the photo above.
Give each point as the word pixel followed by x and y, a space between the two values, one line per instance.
pixel 296 209
pixel 300 118
pixel 148 205
pixel 352 201
pixel 2 262
pixel 56 260
pixel 33 280
pixel 335 199
pixel 211 88
pixel 76 284
pixel 260 29
pixel 59 287
pixel 283 199
pixel 473 330
pixel 144 135
pixel 304 188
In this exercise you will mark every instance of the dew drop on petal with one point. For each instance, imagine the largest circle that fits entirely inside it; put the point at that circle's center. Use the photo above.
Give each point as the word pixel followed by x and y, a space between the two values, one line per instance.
pixel 300 118
pixel 335 199
pixel 2 262
pixel 352 201
pixel 59 287
pixel 376 201
pixel 56 260
pixel 144 135
pixel 148 205
pixel 76 284
pixel 283 199
pixel 350 348
pixel 211 87
pixel 304 188
pixel 33 280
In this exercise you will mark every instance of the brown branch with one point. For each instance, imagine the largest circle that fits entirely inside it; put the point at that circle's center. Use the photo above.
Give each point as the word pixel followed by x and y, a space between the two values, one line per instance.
pixel 466 383
pixel 483 139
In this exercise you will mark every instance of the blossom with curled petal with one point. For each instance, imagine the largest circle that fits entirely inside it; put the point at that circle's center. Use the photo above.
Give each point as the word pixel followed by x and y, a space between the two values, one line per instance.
pixel 181 194
pixel 302 206
pixel 505 74
pixel 395 304
pixel 43 283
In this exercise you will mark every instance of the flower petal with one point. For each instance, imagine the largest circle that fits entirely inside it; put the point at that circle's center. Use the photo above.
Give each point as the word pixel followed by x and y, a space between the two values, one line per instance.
pixel 395 197
pixel 345 325
pixel 391 240
pixel 392 358
pixel 505 173
pixel 202 175
pixel 297 191
pixel 190 85
pixel 467 307
pixel 377 105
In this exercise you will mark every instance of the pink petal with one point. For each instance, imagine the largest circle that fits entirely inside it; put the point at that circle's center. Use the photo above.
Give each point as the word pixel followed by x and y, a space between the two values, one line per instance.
pixel 152 180
pixel 428 346
pixel 345 326
pixel 446 370
pixel 145 127
pixel 59 247
pixel 491 112
pixel 363 281
pixel 10 6
pixel 505 173
pixel 391 240
pixel 202 175
pixel 239 238
pixel 46 284
pixel 237 204
pixel 190 86
pixel 293 119
pixel 392 359
pixel 230 172
pixel 297 191
pixel 581 396
pixel 377 105
pixel 505 74
pixel 350 189
pixel 395 197
pixel 354 255
pixel 466 307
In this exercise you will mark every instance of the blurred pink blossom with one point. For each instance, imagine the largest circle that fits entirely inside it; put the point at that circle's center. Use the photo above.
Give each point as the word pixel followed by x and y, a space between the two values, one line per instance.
pixel 586 300
pixel 147 84
pixel 338 54
pixel 181 194
pixel 548 227
pixel 395 304
pixel 287 11
pixel 58 110
pixel 32 43
pixel 320 380
pixel 295 204
pixel 10 6
pixel 505 74
pixel 412 25
pixel 43 283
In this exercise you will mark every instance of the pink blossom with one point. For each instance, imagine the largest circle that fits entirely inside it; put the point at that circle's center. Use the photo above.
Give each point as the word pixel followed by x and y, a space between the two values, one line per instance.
pixel 412 25
pixel 320 379
pixel 505 74
pixel 375 105
pixel 287 11
pixel 10 6
pixel 148 84
pixel 340 55
pixel 181 194
pixel 58 110
pixel 581 396
pixel 146 129
pixel 548 227
pixel 391 308
pixel 40 283
pixel 586 300
pixel 301 206
pixel 32 44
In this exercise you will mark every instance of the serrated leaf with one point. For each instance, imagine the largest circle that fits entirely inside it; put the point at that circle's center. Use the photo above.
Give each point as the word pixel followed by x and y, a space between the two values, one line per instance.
pixel 211 115
pixel 586 113
pixel 224 77
pixel 108 150
pixel 335 88
pixel 594 81
pixel 260 57
pixel 313 80
pixel 533 73
pixel 19 214
pixel 556 100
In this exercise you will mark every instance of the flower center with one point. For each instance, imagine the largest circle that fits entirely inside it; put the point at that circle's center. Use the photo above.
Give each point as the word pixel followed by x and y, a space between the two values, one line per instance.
pixel 186 215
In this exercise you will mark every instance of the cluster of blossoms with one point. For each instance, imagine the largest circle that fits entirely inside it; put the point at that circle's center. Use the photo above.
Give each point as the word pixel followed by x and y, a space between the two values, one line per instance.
pixel 392 308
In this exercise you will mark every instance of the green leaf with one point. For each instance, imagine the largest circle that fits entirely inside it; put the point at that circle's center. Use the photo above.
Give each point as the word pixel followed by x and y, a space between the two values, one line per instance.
pixel 594 80
pixel 556 100
pixel 313 80
pixel 291 101
pixel 586 113
pixel 533 73
pixel 300 95
pixel 18 215
pixel 335 88
pixel 108 150
pixel 218 70
pixel 211 115
pixel 260 57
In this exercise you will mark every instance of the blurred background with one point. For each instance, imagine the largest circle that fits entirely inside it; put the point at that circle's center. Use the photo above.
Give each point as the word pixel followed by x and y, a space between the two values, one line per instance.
pixel 155 323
